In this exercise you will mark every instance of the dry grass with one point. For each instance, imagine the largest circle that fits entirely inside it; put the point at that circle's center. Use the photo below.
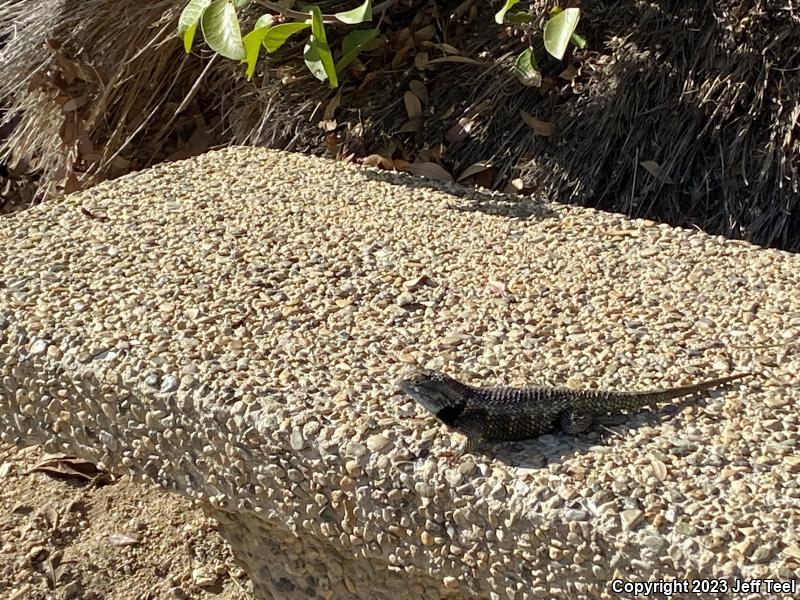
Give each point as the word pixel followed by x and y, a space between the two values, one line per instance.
pixel 708 91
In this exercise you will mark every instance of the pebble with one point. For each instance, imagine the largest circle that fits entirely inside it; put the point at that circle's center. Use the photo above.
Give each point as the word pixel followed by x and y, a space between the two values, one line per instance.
pixel 245 353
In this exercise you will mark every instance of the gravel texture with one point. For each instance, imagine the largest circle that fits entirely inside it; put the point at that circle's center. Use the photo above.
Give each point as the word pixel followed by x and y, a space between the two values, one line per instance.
pixel 232 327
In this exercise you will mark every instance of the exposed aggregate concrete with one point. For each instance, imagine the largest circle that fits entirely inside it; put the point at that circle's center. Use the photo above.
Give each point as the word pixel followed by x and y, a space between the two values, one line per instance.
pixel 231 327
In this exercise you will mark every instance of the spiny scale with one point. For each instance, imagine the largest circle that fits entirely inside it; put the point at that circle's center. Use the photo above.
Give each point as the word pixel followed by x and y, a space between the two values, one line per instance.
pixel 507 413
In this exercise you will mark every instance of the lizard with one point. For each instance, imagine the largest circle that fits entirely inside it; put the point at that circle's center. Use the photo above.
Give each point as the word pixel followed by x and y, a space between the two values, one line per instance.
pixel 517 413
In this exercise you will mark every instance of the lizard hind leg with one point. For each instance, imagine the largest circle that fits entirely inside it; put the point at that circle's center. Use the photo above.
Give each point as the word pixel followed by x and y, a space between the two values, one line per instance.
pixel 573 421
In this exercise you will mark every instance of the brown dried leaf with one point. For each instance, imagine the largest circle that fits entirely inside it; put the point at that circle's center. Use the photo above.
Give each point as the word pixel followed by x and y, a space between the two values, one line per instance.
pixel 455 59
pixel 474 168
pixel 413 105
pixel 569 73
pixel 430 170
pixel 376 160
pixel 403 36
pixel 460 131
pixel 69 466
pixel 333 104
pixel 400 165
pixel 419 89
pixel 485 178
pixel 656 171
pixel 421 60
pixel 448 49
pixel 399 56
pixel 425 33
pixel 411 126
pixel 74 104
pixel 120 163
pixel 543 128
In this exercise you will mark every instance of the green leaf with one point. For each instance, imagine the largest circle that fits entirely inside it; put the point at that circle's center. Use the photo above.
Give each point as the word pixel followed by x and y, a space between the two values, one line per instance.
pixel 317 53
pixel 188 38
pixel 352 44
pixel 527 69
pixel 187 23
pixel 265 20
pixel 578 40
pixel 191 14
pixel 241 3
pixel 357 15
pixel 498 18
pixel 559 30
pixel 277 35
pixel 252 42
pixel 221 29
pixel 519 18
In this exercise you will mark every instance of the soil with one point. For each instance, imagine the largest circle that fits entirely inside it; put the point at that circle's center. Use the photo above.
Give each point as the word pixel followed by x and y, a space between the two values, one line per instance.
pixel 65 536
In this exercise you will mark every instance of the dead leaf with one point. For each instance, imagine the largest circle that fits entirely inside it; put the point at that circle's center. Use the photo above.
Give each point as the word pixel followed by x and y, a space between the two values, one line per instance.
pixel 411 126
pixel 426 33
pixel 569 73
pixel 474 168
pixel 333 104
pixel 419 90
pixel 120 163
pixel 485 178
pixel 656 171
pixel 448 49
pixel 5 469
pixel 72 183
pixel 413 105
pixel 460 131
pixel 53 572
pixel 74 104
pixel 399 56
pixel 421 60
pixel 430 170
pixel 70 466
pixel 437 152
pixel 332 143
pixel 376 160
pixel 543 128
pixel 448 112
pixel 403 36
pixel 455 59
pixel 400 165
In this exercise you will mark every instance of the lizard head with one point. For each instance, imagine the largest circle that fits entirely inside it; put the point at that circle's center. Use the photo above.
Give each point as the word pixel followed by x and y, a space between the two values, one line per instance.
pixel 442 395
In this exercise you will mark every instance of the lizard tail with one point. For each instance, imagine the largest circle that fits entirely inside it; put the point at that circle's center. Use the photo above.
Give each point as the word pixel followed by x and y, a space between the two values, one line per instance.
pixel 612 401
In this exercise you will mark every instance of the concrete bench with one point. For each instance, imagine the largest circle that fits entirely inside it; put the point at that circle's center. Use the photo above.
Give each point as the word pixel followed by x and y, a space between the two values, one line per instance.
pixel 231 327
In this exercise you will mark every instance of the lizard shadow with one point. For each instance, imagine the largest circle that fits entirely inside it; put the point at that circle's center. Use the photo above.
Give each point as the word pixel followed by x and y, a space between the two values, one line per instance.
pixel 558 447
pixel 469 199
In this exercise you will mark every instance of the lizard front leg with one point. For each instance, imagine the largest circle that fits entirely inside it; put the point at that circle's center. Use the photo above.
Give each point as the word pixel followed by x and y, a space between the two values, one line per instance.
pixel 473 427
